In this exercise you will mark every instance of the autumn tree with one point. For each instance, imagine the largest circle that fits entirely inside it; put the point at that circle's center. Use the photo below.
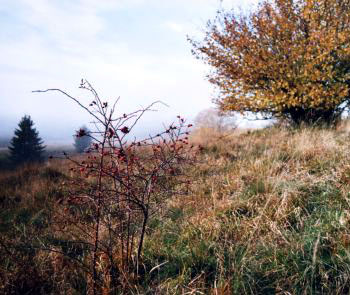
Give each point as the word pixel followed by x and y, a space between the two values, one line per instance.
pixel 288 58
pixel 26 146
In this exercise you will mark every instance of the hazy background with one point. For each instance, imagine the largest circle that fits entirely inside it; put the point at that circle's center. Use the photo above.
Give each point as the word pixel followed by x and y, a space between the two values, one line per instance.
pixel 135 49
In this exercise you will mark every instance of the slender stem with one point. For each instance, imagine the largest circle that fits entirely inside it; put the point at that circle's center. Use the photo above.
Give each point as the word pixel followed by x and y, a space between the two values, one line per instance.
pixel 98 213
pixel 139 250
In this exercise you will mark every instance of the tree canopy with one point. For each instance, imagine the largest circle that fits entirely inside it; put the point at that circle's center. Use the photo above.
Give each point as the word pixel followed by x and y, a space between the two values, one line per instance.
pixel 26 146
pixel 288 58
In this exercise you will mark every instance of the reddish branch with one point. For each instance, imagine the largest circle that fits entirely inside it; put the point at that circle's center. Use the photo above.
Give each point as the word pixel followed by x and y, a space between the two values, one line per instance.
pixel 123 182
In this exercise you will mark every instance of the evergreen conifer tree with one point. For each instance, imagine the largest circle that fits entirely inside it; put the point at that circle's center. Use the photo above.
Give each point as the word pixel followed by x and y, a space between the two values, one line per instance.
pixel 26 146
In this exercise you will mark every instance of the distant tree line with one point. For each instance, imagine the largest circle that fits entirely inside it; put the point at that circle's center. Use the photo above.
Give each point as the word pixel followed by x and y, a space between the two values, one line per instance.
pixel 26 146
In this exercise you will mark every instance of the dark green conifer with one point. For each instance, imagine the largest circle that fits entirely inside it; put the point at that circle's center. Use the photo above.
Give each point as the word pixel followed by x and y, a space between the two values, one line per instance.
pixel 26 146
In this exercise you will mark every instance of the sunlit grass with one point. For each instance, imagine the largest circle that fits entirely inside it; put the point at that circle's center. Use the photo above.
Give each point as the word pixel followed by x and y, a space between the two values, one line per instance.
pixel 268 213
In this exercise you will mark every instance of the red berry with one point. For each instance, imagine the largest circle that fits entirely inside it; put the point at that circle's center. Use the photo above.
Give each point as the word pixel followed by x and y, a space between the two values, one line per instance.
pixel 125 130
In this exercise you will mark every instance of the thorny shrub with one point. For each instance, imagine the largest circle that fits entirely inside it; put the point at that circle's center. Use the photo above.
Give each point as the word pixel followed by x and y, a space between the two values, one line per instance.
pixel 118 185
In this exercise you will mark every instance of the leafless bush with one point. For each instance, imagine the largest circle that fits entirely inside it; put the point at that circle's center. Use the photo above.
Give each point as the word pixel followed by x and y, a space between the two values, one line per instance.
pixel 117 187
pixel 213 125
pixel 214 119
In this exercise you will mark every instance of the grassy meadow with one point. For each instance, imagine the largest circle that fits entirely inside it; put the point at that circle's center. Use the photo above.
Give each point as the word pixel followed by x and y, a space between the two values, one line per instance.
pixel 268 212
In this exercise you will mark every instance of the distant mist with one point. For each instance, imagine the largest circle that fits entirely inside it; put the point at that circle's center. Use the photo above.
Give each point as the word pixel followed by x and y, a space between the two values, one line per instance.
pixel 60 133
pixel 4 142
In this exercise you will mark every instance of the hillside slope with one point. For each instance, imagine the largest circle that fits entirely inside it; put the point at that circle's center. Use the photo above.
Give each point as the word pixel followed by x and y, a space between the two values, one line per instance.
pixel 268 213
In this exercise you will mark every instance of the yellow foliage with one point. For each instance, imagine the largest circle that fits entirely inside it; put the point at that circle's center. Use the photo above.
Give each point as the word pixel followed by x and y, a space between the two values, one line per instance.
pixel 288 55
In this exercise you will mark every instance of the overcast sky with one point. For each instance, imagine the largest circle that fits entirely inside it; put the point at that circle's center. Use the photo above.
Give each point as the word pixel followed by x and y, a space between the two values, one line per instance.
pixel 135 49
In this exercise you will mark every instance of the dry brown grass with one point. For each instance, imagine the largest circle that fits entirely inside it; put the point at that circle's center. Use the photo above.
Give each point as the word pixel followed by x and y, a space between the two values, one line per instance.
pixel 268 192
pixel 268 213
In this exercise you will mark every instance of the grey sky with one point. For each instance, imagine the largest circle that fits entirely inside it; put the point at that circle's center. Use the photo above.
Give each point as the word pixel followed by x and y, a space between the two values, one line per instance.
pixel 135 49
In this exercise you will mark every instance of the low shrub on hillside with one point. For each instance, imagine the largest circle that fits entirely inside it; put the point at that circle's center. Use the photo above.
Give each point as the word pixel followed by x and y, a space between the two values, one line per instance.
pixel 261 222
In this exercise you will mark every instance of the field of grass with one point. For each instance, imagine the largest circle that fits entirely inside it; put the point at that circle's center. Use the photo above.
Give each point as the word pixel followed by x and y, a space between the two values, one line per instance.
pixel 268 213
pixel 50 151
